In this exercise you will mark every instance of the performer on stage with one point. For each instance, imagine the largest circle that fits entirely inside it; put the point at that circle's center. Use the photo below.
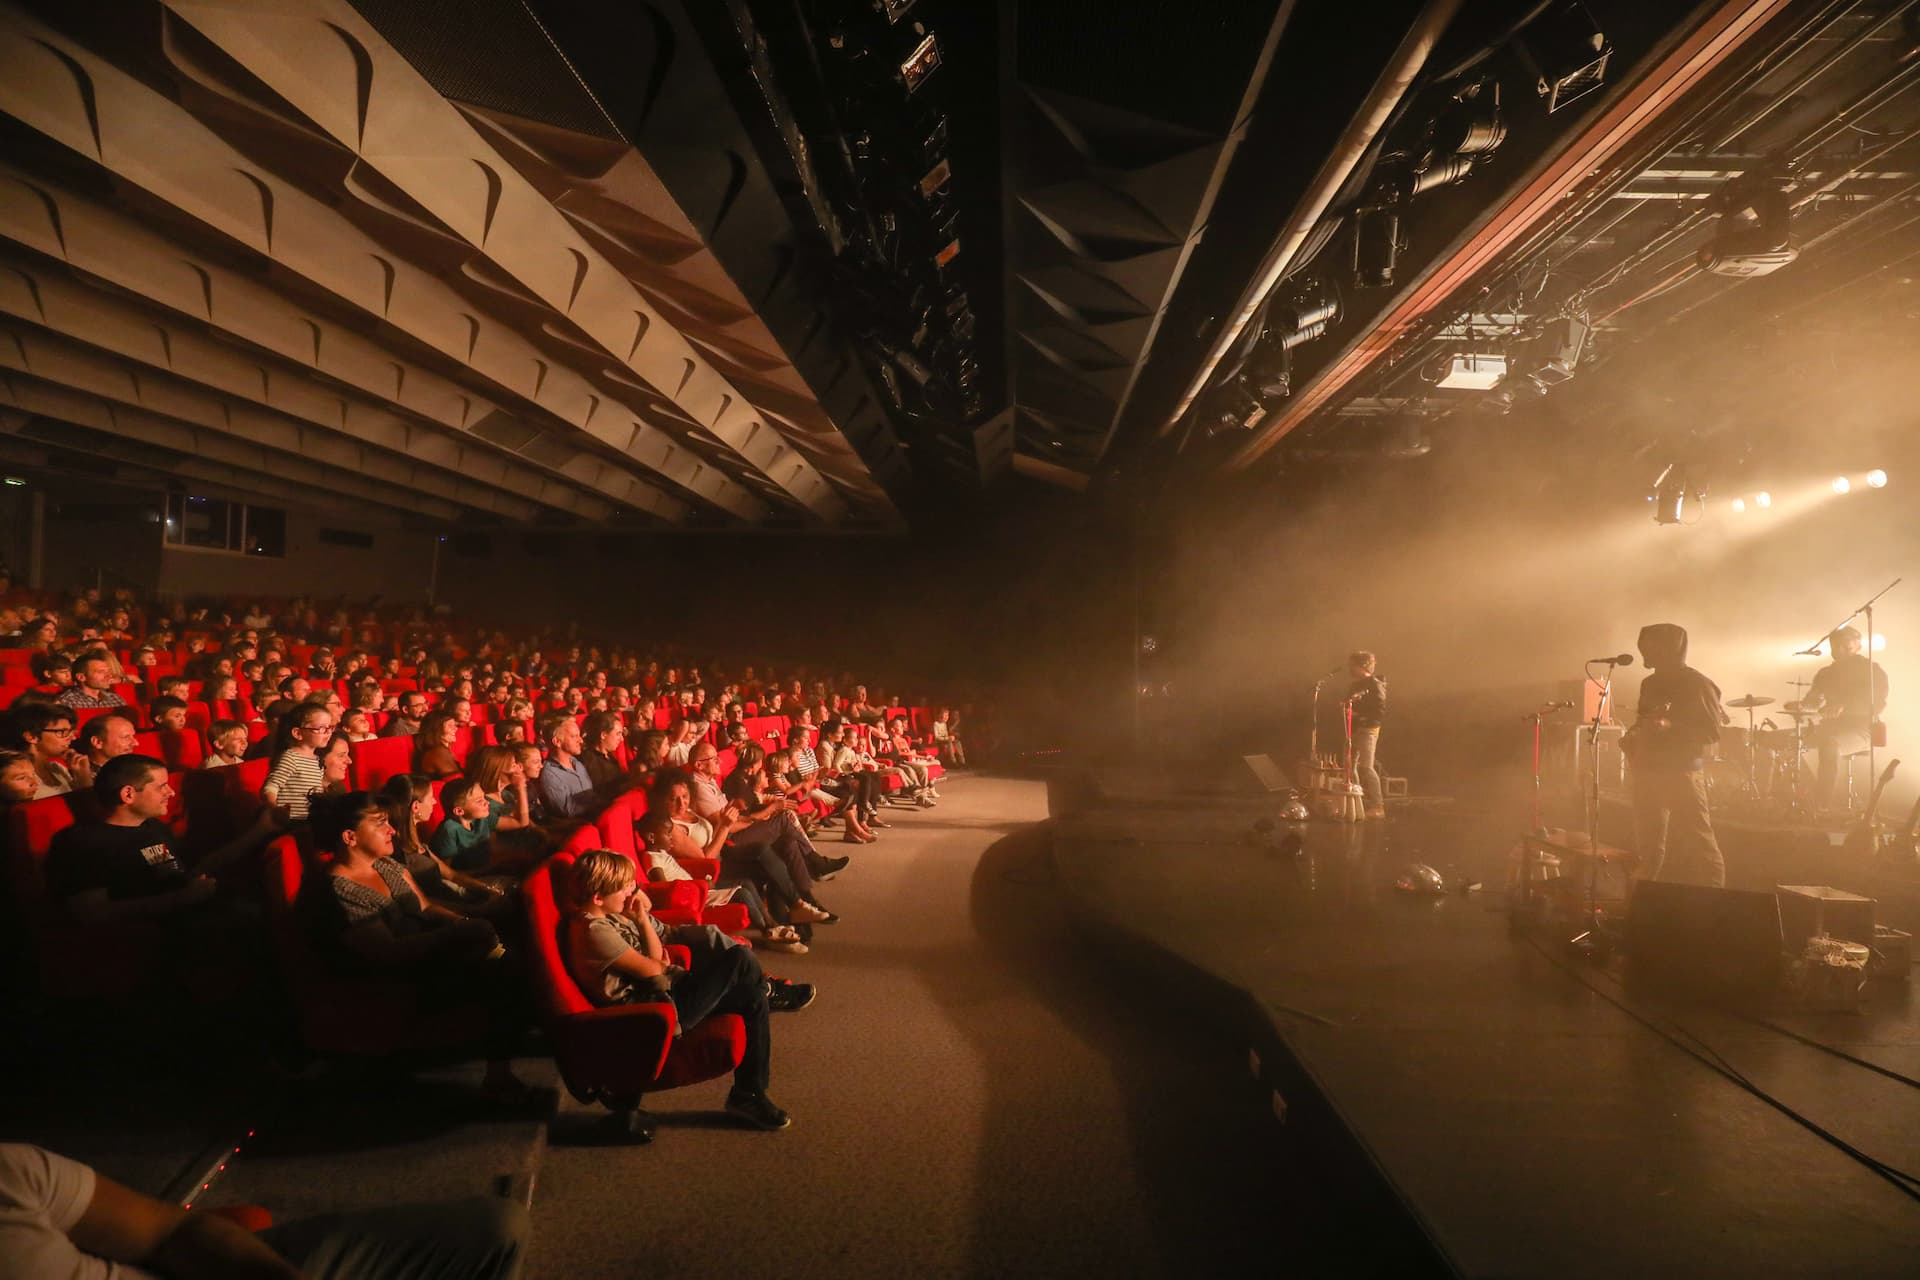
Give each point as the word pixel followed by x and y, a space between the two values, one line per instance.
pixel 1847 706
pixel 1678 720
pixel 1368 695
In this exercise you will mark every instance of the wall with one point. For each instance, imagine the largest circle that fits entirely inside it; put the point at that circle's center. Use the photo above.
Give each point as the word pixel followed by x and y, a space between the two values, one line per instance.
pixel 397 567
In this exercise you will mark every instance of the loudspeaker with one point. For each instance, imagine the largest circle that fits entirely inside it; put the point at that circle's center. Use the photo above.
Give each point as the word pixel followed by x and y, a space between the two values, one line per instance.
pixel 1704 942
pixel 1270 777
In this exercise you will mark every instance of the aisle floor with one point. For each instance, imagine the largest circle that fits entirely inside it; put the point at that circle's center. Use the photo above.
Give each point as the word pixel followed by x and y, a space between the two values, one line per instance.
pixel 973 1094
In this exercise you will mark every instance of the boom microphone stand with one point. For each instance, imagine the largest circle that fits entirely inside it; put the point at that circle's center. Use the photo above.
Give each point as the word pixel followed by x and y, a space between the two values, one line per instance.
pixel 1588 942
pixel 1814 650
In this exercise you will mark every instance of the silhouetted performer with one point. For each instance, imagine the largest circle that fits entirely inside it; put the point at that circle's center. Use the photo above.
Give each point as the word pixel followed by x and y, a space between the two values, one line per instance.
pixel 1849 692
pixel 1679 719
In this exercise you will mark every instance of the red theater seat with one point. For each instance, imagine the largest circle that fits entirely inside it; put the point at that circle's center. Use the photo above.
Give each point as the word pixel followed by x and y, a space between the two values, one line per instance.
pixel 614 1056
pixel 378 759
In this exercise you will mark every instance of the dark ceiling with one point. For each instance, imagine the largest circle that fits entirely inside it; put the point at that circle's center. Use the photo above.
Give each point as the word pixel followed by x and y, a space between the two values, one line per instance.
pixel 849 264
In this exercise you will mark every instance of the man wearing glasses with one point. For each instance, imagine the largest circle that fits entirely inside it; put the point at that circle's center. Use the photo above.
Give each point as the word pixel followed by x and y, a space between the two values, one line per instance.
pixel 296 773
pixel 47 732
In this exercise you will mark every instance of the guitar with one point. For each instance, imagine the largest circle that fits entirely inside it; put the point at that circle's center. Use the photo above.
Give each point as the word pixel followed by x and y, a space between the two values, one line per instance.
pixel 1866 836
pixel 1907 847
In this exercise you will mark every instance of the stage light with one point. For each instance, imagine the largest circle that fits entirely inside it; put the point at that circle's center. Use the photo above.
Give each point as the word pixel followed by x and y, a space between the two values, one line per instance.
pixel 1876 479
pixel 14 482
pixel 1473 371
pixel 1673 492
pixel 1754 236
pixel 1566 51
pixel 1841 484
pixel 1879 641
pixel 1739 504
pixel 1377 242
pixel 1763 499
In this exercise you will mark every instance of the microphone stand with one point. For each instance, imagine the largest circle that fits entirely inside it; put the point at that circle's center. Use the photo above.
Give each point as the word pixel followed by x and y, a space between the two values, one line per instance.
pixel 1588 942
pixel 1814 649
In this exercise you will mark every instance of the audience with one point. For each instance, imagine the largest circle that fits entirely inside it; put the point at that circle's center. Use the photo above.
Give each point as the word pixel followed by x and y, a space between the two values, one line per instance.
pixel 382 904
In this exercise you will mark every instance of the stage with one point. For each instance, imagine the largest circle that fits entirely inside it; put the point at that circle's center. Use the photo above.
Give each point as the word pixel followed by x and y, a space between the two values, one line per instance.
pixel 1530 1113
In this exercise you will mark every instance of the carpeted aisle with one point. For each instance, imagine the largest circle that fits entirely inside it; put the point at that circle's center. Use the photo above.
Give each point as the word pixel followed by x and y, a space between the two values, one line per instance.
pixel 972 1095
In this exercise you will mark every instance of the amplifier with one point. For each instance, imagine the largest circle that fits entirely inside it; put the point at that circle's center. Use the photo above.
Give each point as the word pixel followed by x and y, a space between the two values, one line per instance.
pixel 1701 941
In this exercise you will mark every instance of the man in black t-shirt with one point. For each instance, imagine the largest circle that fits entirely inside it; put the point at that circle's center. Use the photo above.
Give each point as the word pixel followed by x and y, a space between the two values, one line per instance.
pixel 1678 721
pixel 123 867
pixel 1849 693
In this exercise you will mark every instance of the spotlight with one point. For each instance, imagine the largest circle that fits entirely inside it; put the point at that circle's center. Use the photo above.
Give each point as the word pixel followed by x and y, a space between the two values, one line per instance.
pixel 1842 485
pixel 1149 644
pixel 1673 494
pixel 1876 479
pixel 1739 504
pixel 1763 499
pixel 1567 53
pixel 1754 236
pixel 1879 641
pixel 1473 371
pixel 16 482
pixel 1377 242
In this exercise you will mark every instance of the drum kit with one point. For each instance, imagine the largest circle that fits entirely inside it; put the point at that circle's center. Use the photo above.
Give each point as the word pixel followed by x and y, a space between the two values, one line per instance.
pixel 1765 765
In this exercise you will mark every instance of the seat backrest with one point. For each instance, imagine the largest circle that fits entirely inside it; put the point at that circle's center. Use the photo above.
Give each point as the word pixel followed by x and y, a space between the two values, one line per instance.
pixel 462 744
pixel 182 749
pixel 377 759
pixel 32 827
pixel 544 893
pixel 147 743
pixel 615 825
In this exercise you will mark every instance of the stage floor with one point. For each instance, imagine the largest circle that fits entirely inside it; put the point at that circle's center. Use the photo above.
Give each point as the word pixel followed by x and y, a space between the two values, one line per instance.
pixel 1534 1117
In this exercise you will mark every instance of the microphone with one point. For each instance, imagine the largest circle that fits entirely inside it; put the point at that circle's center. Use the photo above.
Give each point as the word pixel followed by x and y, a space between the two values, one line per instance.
pixel 1618 660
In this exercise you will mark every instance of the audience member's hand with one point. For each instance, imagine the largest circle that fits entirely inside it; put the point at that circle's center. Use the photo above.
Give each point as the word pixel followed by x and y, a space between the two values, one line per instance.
pixel 271 820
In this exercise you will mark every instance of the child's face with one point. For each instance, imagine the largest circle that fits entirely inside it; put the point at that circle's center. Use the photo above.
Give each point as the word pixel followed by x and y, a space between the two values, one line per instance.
pixel 174 718
pixel 423 808
pixel 475 805
pixel 617 902
pixel 232 743
pixel 18 781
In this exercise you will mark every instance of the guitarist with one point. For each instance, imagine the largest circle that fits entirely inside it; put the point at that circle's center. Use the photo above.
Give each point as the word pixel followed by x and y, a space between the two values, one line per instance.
pixel 1677 723
pixel 1850 693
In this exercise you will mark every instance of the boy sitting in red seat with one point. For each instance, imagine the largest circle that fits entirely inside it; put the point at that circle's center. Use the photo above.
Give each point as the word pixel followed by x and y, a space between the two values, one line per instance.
pixel 617 952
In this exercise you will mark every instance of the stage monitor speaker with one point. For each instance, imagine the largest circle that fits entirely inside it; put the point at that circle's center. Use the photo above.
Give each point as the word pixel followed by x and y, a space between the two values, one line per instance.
pixel 1271 777
pixel 1704 942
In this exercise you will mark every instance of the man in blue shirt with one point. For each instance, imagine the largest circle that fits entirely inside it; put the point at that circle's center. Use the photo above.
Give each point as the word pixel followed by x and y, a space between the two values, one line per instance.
pixel 565 787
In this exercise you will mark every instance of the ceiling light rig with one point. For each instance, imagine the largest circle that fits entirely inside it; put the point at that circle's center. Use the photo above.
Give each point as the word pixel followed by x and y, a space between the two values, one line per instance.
pixel 1676 494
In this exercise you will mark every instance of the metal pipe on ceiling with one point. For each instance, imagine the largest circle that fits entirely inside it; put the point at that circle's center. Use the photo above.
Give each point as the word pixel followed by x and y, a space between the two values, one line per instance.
pixel 1395 81
pixel 1792 89
pixel 1637 111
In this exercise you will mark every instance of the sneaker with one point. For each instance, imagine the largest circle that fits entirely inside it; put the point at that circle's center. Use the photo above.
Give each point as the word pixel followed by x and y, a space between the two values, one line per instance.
pixel 824 917
pixel 831 867
pixel 807 913
pixel 875 821
pixel 757 1110
pixel 790 997
pixel 786 946
pixel 924 803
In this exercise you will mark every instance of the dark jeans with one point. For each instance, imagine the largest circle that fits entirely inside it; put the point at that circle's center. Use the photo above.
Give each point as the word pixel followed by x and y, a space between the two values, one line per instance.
pixel 781 834
pixel 727 979
pixel 1670 814
pixel 484 1238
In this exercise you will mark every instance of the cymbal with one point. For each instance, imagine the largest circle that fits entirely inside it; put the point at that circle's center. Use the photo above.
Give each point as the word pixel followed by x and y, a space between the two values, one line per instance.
pixel 1741 704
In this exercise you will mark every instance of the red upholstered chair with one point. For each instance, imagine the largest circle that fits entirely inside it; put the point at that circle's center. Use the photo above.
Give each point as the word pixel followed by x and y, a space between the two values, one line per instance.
pixel 182 749
pixel 378 759
pixel 614 1056
pixel 350 1015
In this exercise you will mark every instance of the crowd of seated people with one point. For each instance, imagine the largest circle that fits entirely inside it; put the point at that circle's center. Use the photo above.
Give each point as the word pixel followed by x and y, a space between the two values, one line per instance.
pixel 152 759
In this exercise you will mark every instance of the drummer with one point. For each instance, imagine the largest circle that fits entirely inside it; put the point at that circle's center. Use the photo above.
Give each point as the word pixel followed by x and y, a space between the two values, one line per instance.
pixel 1849 692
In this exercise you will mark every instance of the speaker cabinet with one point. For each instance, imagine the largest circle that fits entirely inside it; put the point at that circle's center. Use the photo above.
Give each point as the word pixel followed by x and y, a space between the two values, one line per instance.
pixel 1704 942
